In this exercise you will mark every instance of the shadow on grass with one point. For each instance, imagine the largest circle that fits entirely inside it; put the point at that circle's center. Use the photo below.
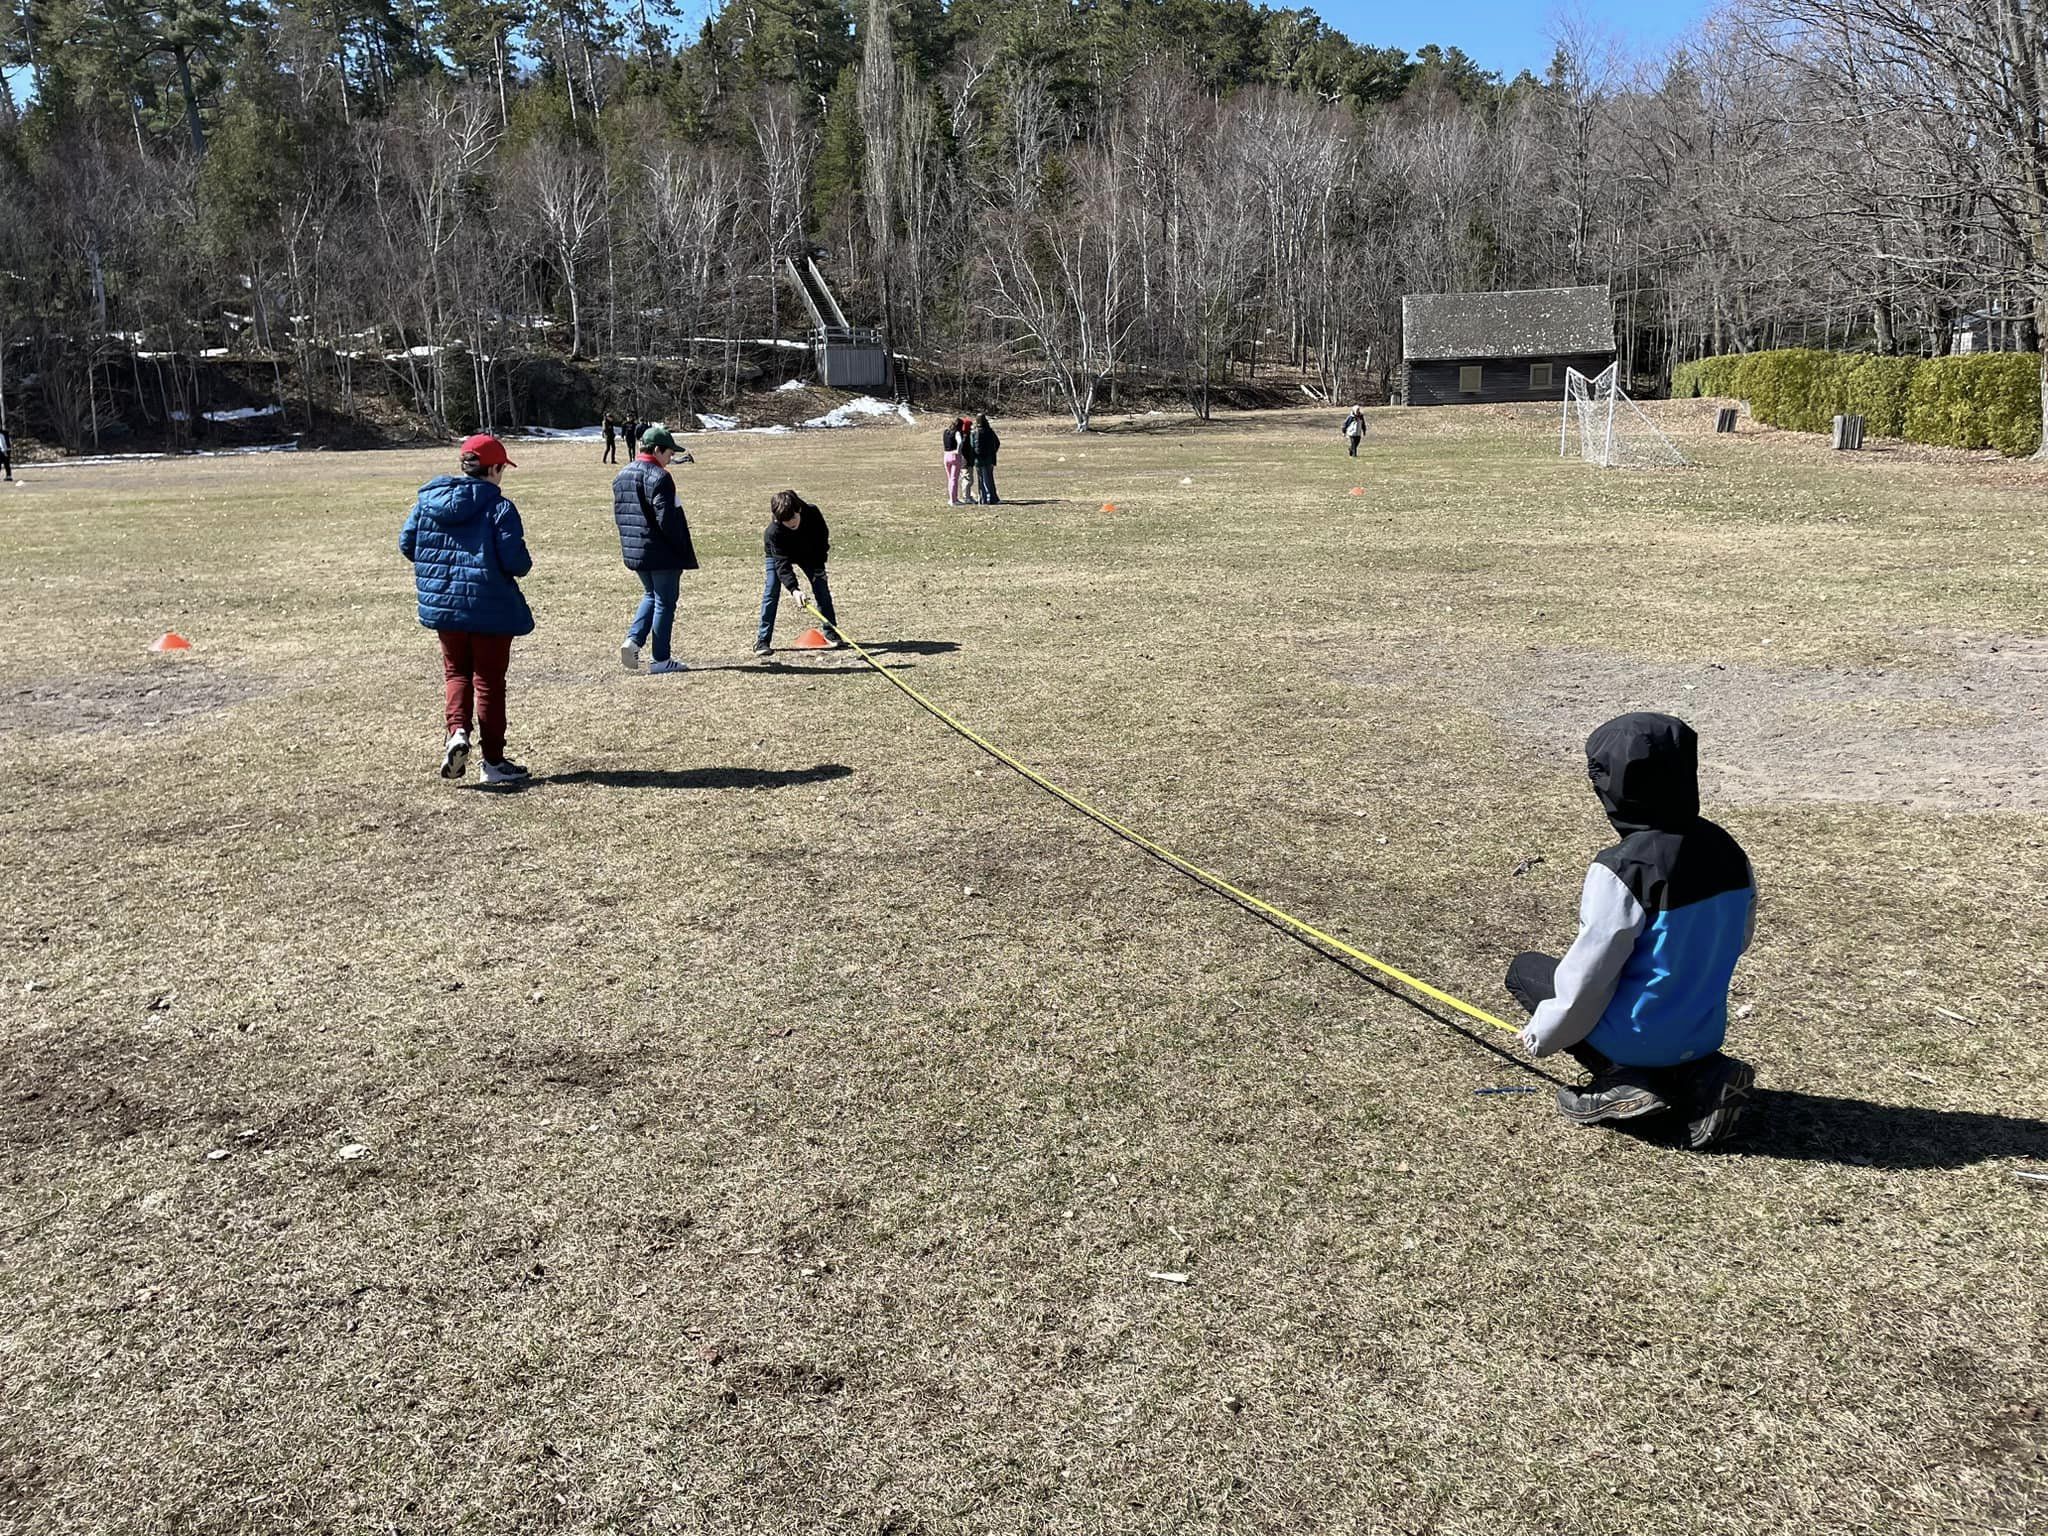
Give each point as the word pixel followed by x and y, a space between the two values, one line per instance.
pixel 1812 1127
pixel 1815 1128
pixel 697 778
pixel 841 661
pixel 913 647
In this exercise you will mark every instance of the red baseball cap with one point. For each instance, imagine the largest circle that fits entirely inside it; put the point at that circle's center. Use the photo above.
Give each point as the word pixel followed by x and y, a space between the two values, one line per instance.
pixel 488 450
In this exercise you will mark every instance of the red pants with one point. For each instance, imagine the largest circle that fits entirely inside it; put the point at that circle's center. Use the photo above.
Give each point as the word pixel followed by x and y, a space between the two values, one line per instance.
pixel 474 666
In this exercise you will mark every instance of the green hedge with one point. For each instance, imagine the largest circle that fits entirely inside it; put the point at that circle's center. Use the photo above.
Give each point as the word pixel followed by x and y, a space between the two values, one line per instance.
pixel 1992 400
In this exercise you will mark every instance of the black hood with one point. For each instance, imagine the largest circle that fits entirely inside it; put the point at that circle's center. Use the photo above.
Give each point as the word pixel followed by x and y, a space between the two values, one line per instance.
pixel 1646 770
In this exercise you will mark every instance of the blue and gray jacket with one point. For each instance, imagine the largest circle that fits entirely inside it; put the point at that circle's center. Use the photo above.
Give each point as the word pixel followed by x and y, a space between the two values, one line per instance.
pixel 1664 915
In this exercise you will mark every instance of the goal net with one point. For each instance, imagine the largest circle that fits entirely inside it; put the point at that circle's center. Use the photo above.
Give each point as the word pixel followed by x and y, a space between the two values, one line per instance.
pixel 1611 429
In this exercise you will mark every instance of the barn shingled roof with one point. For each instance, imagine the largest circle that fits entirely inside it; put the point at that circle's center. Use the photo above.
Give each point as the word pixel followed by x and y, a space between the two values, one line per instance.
pixel 1527 322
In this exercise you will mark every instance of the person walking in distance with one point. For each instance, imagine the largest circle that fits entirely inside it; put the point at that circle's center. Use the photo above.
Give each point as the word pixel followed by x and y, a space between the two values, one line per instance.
pixel 654 541
pixel 611 439
pixel 1354 429
pixel 986 446
pixel 468 551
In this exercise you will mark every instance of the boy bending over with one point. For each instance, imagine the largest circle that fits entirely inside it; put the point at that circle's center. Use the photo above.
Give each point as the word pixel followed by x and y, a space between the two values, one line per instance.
pixel 796 539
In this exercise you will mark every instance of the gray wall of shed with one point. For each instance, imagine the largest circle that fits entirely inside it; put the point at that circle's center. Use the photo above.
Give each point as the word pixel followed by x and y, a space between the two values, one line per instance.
pixel 853 367
pixel 1502 380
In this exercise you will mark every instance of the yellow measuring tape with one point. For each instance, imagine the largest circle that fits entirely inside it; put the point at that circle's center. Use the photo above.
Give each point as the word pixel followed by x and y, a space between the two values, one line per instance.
pixel 1167 855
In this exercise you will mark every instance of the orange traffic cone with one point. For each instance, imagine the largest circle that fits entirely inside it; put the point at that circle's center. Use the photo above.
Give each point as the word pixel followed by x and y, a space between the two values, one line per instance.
pixel 1358 490
pixel 170 640
pixel 813 640
pixel 1109 506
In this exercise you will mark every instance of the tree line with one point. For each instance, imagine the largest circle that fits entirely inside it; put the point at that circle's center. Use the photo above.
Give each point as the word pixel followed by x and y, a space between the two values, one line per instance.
pixel 435 198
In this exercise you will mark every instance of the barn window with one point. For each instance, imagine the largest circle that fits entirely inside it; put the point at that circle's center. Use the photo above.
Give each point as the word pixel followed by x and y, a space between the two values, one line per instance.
pixel 1539 375
pixel 1468 379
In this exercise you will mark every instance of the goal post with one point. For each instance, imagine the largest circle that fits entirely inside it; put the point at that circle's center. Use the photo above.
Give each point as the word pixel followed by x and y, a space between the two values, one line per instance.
pixel 1613 430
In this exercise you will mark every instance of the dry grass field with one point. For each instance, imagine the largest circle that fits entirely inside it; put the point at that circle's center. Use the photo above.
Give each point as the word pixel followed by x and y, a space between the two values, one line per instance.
pixel 777 1113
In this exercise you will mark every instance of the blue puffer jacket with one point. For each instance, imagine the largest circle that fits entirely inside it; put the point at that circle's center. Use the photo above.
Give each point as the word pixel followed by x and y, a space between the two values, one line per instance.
pixel 653 533
pixel 468 552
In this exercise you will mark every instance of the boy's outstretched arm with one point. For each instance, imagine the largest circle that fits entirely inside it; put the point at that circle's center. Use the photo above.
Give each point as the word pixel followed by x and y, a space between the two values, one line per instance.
pixel 1610 920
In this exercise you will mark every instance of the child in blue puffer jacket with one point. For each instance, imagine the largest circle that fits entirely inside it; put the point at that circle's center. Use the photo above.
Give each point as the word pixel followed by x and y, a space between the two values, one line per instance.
pixel 468 552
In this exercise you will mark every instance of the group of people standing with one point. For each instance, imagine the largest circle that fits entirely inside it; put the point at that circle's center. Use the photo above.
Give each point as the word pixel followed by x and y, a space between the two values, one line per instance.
pixel 468 551
pixel 614 429
pixel 970 446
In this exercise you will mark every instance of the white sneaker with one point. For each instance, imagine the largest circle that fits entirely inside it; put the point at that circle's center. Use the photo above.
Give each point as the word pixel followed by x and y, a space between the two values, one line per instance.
pixel 671 665
pixel 629 656
pixel 455 761
pixel 506 772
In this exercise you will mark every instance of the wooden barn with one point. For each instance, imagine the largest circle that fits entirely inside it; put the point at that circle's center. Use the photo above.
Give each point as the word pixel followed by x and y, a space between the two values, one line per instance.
pixel 1464 348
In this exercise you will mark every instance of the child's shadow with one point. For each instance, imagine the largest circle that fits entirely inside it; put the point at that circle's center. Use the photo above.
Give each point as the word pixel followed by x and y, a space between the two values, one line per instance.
pixel 1812 1127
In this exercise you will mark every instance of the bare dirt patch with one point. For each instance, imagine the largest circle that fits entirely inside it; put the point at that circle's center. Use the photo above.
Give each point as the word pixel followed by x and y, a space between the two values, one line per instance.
pixel 159 698
pixel 1964 728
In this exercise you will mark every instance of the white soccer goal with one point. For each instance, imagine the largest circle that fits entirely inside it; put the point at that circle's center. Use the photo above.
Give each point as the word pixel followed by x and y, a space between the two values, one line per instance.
pixel 1612 429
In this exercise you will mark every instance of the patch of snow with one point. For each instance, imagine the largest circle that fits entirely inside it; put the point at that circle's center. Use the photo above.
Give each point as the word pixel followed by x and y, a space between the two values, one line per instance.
pixel 542 434
pixel 790 387
pixel 213 352
pixel 711 423
pixel 245 413
pixel 863 405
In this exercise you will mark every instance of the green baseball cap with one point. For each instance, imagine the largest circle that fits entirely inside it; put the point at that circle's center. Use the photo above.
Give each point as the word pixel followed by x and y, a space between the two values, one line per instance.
pixel 657 436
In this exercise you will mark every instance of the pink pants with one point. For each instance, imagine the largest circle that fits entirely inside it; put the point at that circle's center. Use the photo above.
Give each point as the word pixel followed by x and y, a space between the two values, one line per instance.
pixel 952 479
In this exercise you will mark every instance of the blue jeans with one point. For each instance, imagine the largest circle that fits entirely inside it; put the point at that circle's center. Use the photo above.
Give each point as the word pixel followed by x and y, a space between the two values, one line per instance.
pixel 771 599
pixel 986 469
pixel 656 614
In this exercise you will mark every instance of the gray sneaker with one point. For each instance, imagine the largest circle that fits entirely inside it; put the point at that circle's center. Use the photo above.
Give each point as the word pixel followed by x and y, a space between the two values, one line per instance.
pixel 1626 1093
pixel 1716 1098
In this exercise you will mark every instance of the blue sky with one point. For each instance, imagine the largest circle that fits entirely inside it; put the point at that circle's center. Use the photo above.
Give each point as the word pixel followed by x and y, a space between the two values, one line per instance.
pixel 1505 35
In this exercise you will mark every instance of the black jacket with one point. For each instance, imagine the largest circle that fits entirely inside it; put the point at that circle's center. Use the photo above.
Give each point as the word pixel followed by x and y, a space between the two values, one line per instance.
pixel 949 440
pixel 805 545
pixel 985 444
pixel 653 533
